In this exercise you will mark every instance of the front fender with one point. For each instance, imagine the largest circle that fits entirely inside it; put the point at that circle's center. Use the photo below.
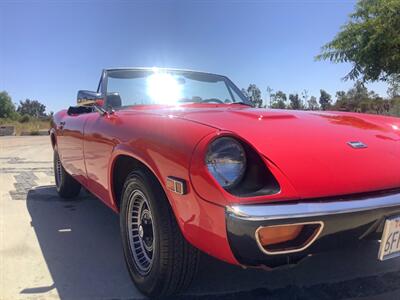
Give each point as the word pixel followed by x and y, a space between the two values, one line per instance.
pixel 201 223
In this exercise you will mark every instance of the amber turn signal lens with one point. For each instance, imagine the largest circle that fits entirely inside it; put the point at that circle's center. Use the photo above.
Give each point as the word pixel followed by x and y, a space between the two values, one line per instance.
pixel 176 185
pixel 278 234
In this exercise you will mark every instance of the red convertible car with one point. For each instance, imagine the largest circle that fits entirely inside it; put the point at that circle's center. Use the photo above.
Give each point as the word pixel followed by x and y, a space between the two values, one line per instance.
pixel 190 165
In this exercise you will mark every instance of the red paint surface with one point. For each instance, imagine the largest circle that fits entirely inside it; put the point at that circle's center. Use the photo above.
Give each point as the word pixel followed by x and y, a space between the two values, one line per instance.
pixel 306 151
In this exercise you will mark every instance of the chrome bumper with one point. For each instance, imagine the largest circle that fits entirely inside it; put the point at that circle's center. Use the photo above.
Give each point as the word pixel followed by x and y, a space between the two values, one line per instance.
pixel 277 211
pixel 347 221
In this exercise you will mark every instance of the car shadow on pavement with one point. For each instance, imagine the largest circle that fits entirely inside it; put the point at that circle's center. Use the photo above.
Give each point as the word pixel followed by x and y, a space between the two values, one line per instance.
pixel 81 244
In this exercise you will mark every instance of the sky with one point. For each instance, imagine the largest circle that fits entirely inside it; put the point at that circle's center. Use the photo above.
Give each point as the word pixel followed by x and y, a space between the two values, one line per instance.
pixel 51 49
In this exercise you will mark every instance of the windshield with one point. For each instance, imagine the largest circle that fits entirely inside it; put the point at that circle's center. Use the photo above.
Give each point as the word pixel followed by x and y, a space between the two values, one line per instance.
pixel 169 87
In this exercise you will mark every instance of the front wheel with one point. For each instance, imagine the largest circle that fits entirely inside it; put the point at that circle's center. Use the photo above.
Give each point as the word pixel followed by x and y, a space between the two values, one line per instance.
pixel 67 186
pixel 160 261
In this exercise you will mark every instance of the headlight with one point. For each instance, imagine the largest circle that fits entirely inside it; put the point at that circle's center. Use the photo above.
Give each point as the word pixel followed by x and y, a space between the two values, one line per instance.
pixel 226 161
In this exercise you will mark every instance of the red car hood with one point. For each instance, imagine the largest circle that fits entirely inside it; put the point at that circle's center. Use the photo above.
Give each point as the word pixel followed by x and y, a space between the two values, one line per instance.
pixel 311 148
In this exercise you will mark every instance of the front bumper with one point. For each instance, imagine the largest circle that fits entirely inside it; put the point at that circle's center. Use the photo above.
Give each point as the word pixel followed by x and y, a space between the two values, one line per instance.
pixel 345 223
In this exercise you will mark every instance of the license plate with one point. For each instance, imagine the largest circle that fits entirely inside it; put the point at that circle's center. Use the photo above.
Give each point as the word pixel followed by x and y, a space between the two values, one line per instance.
pixel 390 242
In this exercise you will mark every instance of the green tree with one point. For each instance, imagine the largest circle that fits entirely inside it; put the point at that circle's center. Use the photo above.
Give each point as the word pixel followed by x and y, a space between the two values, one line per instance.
pixel 356 95
pixel 341 101
pixel 279 100
pixel 304 96
pixel 370 41
pixel 32 108
pixel 379 106
pixel 325 100
pixel 359 99
pixel 395 107
pixel 7 107
pixel 394 86
pixel 255 95
pixel 295 101
pixel 312 103
pixel 269 92
pixel 358 92
pixel 24 119
pixel 340 95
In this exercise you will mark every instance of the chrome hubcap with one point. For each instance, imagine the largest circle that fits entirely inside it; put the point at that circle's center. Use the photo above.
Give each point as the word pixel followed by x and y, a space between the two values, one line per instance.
pixel 140 231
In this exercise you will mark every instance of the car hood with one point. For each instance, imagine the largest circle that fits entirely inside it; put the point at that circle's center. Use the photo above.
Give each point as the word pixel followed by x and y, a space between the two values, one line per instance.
pixel 312 148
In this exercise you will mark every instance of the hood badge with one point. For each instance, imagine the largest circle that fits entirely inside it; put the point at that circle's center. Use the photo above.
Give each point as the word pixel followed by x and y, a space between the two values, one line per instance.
pixel 357 145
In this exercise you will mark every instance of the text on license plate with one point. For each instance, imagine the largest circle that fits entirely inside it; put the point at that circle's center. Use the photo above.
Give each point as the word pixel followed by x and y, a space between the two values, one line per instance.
pixel 390 242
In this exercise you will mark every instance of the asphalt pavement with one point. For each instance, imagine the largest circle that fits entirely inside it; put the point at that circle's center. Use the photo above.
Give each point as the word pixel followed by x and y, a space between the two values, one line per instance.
pixel 55 249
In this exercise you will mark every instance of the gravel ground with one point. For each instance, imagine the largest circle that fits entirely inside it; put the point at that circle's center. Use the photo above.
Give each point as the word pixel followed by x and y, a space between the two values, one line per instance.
pixel 52 249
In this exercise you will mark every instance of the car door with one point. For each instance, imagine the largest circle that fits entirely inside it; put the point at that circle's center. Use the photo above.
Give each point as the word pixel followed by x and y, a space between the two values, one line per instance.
pixel 71 145
pixel 99 142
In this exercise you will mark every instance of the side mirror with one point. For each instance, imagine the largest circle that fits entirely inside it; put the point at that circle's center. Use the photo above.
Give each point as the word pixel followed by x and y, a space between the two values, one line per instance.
pixel 89 98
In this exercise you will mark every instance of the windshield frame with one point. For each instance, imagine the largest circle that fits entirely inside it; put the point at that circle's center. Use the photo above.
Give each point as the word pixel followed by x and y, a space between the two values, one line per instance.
pixel 229 85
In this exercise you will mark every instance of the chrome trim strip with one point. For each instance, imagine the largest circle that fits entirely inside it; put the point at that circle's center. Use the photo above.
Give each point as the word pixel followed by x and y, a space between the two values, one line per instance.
pixel 265 212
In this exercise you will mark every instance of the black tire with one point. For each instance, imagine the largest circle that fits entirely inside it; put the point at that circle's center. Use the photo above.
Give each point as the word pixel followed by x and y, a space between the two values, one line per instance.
pixel 174 261
pixel 67 187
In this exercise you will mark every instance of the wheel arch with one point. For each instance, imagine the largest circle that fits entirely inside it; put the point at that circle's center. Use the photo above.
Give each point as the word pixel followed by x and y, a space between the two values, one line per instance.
pixel 124 162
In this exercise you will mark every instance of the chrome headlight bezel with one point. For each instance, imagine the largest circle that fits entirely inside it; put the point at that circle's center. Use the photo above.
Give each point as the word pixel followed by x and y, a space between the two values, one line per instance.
pixel 226 161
